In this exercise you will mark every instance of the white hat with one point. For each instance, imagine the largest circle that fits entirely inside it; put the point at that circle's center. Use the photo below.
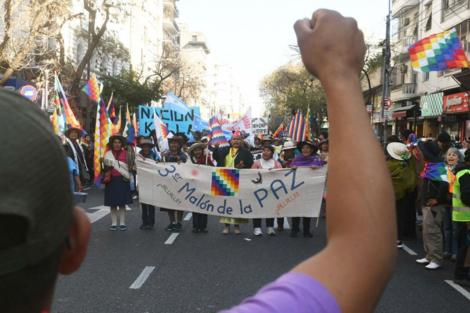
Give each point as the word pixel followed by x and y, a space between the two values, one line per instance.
pixel 288 145
pixel 397 150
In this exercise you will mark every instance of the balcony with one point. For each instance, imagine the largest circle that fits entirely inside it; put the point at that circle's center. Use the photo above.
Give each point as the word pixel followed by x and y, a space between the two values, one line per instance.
pixel 171 5
pixel 401 6
pixel 170 26
pixel 408 41
pixel 409 90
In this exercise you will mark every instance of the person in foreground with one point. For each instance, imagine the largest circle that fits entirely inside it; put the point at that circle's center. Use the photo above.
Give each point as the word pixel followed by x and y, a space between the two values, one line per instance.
pixel 360 201
pixel 361 204
pixel 41 233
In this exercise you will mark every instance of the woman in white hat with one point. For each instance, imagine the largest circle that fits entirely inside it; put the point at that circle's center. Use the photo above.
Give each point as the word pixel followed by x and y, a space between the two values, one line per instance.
pixel 403 179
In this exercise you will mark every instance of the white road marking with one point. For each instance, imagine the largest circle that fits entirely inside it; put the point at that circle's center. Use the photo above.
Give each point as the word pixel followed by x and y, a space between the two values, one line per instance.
pixel 142 277
pixel 101 212
pixel 188 216
pixel 464 292
pixel 171 239
pixel 411 252
pixel 286 223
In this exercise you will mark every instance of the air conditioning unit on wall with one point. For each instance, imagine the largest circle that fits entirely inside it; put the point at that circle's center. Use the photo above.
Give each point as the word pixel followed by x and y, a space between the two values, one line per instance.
pixel 403 68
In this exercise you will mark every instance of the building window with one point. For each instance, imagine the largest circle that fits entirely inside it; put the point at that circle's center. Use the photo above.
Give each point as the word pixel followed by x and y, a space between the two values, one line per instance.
pixel 79 53
pixel 194 38
pixel 425 76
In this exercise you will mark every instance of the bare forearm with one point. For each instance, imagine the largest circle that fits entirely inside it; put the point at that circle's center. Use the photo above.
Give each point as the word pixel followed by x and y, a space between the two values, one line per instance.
pixel 360 193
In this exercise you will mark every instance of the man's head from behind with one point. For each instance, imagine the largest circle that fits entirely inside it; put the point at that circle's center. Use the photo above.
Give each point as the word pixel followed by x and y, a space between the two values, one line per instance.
pixel 37 217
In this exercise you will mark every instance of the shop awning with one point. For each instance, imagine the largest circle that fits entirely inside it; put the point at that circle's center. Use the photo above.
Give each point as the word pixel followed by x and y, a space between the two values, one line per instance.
pixel 401 112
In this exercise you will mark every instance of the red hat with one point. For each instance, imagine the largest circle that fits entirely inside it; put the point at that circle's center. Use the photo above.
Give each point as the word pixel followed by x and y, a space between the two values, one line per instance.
pixel 237 134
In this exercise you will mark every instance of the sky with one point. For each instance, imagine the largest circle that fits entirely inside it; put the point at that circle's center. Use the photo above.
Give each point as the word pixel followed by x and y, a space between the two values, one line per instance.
pixel 253 36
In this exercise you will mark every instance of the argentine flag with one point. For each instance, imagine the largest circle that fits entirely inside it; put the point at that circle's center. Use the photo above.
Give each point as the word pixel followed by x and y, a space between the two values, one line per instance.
pixel 174 103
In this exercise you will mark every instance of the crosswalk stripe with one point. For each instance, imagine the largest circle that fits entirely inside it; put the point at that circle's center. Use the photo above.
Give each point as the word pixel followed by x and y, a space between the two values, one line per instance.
pixel 171 239
pixel 411 252
pixel 188 216
pixel 142 277
pixel 464 292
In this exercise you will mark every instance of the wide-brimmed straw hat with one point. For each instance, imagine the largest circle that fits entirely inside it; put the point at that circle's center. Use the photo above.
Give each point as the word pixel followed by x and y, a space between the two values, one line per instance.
pixel 307 142
pixel 289 145
pixel 266 138
pixel 146 142
pixel 117 136
pixel 78 130
pixel 196 146
pixel 397 150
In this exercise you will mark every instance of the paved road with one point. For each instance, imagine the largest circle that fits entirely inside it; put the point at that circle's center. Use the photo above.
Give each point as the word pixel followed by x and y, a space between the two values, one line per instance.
pixel 211 272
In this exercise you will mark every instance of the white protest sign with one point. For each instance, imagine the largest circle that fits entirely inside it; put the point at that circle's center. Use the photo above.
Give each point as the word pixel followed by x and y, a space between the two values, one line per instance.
pixel 243 124
pixel 260 125
pixel 246 193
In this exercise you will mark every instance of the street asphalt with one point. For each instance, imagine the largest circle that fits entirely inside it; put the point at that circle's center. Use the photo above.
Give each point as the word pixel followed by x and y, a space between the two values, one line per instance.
pixel 210 272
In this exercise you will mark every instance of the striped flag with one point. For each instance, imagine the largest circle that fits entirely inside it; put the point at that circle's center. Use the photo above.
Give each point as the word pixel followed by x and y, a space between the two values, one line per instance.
pixel 297 127
pixel 129 131
pixel 217 134
pixel 161 133
pixel 309 125
pixel 134 124
pixel 278 133
pixel 69 118
pixel 117 122
pixel 110 109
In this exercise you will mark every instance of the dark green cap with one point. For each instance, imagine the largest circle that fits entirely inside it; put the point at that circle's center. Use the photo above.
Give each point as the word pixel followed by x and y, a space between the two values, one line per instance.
pixel 34 182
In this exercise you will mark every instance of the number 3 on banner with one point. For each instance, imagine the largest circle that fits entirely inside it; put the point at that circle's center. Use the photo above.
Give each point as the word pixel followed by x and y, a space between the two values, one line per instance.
pixel 167 171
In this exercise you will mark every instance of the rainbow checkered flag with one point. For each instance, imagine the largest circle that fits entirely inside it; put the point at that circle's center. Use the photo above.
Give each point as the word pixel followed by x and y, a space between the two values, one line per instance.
pixel 103 130
pixel 217 134
pixel 93 89
pixel 438 52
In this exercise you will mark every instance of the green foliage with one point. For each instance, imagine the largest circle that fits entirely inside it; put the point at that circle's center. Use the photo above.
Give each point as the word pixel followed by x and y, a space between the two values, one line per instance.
pixel 128 89
pixel 374 62
pixel 290 88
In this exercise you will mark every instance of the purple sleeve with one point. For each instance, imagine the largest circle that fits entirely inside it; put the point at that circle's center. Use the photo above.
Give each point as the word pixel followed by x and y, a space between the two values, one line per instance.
pixel 293 292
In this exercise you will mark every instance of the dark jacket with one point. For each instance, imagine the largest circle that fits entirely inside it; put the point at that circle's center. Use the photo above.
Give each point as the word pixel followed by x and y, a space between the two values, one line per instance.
pixel 243 155
pixel 464 183
pixel 431 189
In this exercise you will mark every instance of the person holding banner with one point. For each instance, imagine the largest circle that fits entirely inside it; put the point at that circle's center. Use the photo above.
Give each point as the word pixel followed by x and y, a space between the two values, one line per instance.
pixel 267 162
pixel 308 157
pixel 147 210
pixel 118 191
pixel 175 155
pixel 233 156
pixel 198 156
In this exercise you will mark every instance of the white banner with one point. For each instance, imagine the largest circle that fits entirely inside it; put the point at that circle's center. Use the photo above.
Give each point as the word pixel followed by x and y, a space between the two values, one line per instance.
pixel 260 125
pixel 243 124
pixel 246 193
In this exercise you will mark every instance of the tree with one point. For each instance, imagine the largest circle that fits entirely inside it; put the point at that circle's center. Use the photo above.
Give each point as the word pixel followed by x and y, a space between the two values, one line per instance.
pixel 129 90
pixel 290 88
pixel 27 25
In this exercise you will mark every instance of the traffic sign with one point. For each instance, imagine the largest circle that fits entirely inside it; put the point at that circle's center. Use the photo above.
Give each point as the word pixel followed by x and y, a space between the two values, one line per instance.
pixel 29 92
pixel 388 103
